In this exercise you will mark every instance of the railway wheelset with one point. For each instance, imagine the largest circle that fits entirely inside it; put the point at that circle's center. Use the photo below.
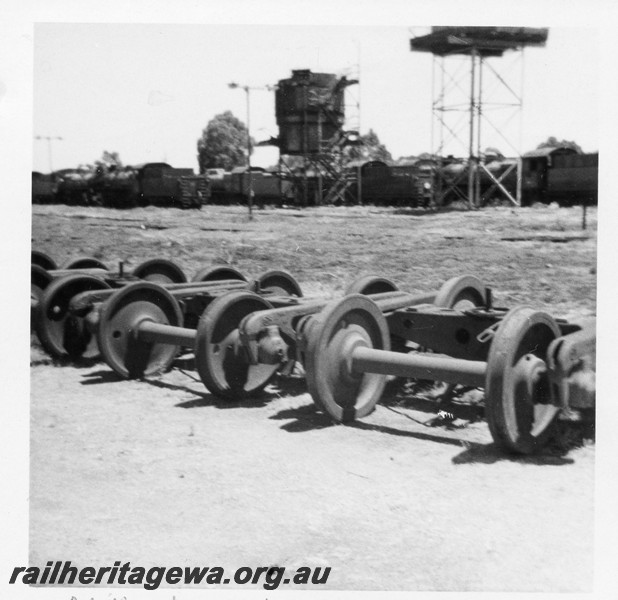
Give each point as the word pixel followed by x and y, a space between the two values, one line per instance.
pixel 531 365
pixel 66 310
pixel 44 270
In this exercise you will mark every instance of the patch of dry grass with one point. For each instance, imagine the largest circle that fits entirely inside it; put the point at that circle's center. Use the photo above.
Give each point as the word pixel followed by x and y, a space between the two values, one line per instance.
pixel 329 247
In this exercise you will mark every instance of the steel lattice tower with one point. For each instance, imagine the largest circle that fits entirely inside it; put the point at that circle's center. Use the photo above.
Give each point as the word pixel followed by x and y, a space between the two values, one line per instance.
pixel 477 91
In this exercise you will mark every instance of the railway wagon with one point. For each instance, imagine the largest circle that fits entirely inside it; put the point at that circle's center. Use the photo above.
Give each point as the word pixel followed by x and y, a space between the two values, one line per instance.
pixel 267 187
pixel 559 174
pixel 161 184
pixel 216 178
pixel 381 183
pixel 574 179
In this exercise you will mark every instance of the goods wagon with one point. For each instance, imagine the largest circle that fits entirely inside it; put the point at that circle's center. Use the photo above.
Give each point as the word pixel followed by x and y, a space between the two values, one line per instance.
pixel 574 179
pixel 267 187
pixel 384 184
pixel 561 175
pixel 161 184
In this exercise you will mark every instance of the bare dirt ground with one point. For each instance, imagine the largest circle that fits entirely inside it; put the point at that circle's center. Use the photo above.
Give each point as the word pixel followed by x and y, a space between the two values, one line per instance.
pixel 160 472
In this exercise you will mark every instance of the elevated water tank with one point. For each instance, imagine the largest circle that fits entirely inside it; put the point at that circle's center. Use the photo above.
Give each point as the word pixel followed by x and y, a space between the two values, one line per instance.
pixel 487 41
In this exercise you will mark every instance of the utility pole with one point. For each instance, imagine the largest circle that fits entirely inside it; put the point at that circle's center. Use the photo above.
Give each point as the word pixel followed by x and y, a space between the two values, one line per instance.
pixel 49 139
pixel 233 85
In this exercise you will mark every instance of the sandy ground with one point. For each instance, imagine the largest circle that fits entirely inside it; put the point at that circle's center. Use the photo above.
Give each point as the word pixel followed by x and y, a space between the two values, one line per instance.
pixel 160 472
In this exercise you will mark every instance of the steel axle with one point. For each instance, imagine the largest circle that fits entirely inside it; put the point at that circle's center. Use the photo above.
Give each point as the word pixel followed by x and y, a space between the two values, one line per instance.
pixel 419 366
pixel 149 331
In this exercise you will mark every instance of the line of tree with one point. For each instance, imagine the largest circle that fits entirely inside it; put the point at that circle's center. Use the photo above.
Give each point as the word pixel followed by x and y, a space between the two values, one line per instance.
pixel 368 147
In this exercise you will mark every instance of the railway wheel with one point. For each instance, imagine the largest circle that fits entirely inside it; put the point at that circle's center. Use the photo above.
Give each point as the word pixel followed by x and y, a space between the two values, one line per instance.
pixel 57 332
pixel 219 358
pixel 159 270
pixel 342 326
pixel 219 273
pixel 42 260
pixel 371 284
pixel 280 283
pixel 461 292
pixel 39 280
pixel 374 284
pixel 120 315
pixel 84 262
pixel 518 398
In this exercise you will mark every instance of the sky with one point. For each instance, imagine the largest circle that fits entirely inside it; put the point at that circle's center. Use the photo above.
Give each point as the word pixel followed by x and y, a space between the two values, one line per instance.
pixel 147 91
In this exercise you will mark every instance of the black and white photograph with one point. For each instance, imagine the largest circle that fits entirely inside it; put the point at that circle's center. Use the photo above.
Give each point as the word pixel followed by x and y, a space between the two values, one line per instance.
pixel 314 299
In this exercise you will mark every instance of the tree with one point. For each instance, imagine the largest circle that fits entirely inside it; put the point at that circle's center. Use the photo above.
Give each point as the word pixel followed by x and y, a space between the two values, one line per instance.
pixel 109 159
pixel 223 143
pixel 369 148
pixel 553 142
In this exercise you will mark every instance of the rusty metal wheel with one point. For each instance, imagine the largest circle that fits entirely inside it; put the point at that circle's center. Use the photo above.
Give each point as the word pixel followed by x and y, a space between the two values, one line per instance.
pixel 279 282
pixel 84 262
pixel 42 260
pixel 518 398
pixel 219 273
pixel 342 326
pixel 159 270
pixel 56 331
pixel 39 280
pixel 461 292
pixel 374 284
pixel 219 358
pixel 128 356
pixel 371 284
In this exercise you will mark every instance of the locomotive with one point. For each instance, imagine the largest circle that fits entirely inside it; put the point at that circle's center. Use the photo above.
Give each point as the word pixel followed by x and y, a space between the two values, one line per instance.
pixel 123 187
pixel 452 178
